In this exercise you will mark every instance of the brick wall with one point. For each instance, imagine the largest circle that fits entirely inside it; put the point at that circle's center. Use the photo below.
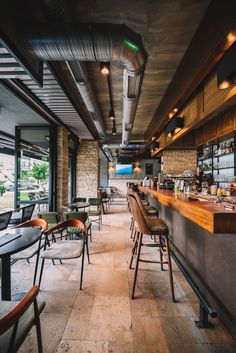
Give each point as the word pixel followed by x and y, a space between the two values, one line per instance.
pixel 87 169
pixel 62 167
pixel 179 161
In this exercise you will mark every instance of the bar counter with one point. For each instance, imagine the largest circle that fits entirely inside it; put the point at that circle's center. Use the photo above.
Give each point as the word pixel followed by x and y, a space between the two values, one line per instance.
pixel 203 241
pixel 210 216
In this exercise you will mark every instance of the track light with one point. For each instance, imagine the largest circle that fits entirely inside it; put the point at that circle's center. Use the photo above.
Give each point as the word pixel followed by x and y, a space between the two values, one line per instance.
pixel 113 131
pixel 174 126
pixel 105 68
pixel 111 115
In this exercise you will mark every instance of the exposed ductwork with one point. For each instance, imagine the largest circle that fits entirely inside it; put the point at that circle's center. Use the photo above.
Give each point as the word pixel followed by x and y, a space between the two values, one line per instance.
pixel 95 42
pixel 57 10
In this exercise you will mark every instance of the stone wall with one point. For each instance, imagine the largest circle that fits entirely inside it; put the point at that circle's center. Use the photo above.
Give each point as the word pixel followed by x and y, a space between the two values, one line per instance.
pixel 87 169
pixel 62 167
pixel 177 161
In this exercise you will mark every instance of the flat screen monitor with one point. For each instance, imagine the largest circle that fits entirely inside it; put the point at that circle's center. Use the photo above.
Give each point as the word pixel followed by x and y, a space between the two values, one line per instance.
pixel 124 169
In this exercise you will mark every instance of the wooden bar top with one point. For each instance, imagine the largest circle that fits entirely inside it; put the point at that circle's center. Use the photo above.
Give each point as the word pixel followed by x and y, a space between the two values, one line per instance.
pixel 210 216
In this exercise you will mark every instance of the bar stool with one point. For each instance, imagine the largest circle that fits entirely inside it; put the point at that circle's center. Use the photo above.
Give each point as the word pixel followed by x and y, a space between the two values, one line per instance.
pixel 149 226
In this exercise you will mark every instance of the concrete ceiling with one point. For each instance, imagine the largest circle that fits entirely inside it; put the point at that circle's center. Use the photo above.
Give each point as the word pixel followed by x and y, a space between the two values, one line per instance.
pixel 167 28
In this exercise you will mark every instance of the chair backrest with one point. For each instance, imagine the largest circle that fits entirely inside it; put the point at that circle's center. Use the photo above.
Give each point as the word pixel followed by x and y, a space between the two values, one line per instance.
pixel 79 199
pixel 5 219
pixel 139 201
pixel 81 216
pixel 104 195
pixel 32 196
pixel 27 212
pixel 36 222
pixel 138 215
pixel 65 224
pixel 95 201
pixel 11 319
pixel 51 218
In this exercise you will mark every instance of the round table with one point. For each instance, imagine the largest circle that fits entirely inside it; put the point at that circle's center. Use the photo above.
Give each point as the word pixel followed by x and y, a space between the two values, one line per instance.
pixel 77 205
pixel 28 237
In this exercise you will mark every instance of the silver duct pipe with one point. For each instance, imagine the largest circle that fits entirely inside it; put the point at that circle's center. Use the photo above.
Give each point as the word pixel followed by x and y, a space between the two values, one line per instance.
pixel 57 10
pixel 96 42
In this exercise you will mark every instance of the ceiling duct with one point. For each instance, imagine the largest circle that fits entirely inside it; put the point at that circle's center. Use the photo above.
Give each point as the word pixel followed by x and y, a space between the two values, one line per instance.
pixel 95 42
pixel 57 10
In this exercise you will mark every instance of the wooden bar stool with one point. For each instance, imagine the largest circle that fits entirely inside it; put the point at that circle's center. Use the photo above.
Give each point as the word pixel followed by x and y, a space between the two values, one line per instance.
pixel 149 226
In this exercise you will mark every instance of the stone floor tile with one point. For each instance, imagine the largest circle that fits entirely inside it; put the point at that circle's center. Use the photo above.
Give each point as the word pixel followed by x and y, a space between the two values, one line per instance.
pixel 110 319
pixel 223 348
pixel 188 331
pixel 77 325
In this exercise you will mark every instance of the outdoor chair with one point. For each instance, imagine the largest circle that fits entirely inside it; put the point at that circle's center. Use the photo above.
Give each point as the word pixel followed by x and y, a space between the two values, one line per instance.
pixel 35 248
pixel 95 213
pixel 66 249
pixel 22 215
pixel 17 319
pixel 5 219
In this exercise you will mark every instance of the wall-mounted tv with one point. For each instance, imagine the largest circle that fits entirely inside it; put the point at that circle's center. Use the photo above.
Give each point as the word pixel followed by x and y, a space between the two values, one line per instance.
pixel 124 168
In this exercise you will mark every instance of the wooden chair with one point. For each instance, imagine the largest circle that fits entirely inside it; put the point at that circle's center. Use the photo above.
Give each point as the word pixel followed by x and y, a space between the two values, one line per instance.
pixel 17 319
pixel 65 249
pixel 35 248
pixel 5 219
pixel 149 226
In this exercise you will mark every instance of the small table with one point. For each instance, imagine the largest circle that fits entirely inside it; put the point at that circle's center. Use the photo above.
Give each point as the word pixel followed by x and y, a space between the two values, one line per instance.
pixel 29 236
pixel 77 205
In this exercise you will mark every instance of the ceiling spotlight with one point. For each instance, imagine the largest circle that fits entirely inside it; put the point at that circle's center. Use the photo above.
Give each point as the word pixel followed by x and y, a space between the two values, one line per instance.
pixel 105 68
pixel 174 126
pixel 111 115
pixel 113 131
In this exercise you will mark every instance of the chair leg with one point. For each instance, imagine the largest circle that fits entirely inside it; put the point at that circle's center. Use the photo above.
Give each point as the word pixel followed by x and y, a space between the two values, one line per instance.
pixel 38 328
pixel 137 264
pixel 136 237
pixel 37 262
pixel 87 248
pixel 82 268
pixel 41 271
pixel 161 254
pixel 170 269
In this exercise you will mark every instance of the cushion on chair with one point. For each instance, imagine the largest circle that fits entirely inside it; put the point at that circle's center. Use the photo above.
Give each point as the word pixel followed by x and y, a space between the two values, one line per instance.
pixel 64 249
pixel 145 203
pixel 151 211
pixel 157 226
pixel 27 253
pixel 94 213
pixel 26 322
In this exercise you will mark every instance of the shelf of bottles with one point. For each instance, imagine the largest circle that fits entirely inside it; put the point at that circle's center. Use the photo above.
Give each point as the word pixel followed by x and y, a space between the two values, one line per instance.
pixel 218 159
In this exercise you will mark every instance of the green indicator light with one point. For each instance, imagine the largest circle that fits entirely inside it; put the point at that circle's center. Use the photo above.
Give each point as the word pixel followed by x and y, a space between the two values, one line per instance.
pixel 131 45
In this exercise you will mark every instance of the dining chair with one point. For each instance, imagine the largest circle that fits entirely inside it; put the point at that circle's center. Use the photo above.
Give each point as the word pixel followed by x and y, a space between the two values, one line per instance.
pixel 95 213
pixel 105 199
pixel 35 248
pixel 5 219
pixel 17 319
pixel 81 216
pixel 65 249
pixel 52 218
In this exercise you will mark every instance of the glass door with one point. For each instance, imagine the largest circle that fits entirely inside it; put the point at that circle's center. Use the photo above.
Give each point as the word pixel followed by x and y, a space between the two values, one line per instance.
pixel 35 171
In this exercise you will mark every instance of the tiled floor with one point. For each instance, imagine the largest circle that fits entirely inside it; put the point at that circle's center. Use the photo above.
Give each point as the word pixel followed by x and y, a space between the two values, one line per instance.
pixel 102 318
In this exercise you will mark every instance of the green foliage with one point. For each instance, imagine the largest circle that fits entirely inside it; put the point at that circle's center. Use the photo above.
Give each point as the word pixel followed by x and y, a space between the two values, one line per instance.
pixel 2 190
pixel 40 171
pixel 25 174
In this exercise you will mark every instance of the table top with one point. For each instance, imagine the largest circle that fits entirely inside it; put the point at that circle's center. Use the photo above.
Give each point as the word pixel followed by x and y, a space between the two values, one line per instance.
pixel 210 216
pixel 77 205
pixel 28 237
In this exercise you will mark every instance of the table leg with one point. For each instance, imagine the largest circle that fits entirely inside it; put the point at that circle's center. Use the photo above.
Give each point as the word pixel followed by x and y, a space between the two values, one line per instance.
pixel 6 278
